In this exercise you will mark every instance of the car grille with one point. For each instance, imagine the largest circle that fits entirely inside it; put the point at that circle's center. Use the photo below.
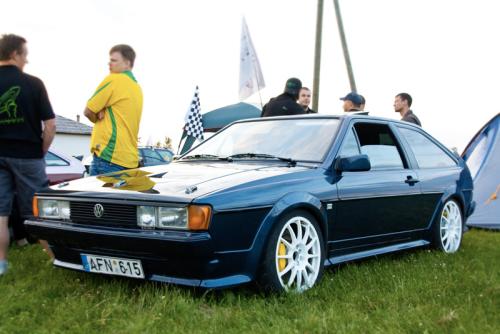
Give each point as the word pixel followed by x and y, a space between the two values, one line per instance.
pixel 118 215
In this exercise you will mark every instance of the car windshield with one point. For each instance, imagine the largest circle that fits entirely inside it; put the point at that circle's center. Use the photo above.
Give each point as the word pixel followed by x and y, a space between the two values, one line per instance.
pixel 303 139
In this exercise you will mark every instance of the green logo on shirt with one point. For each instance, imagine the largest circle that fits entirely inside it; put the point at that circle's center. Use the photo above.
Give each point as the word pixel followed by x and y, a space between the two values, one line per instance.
pixel 8 106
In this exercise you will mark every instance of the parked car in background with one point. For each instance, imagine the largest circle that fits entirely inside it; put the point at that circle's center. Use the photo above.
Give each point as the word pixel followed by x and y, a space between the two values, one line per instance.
pixel 272 200
pixel 61 168
pixel 165 153
pixel 148 156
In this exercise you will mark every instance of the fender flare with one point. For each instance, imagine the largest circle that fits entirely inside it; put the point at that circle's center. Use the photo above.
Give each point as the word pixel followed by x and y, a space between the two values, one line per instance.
pixel 289 202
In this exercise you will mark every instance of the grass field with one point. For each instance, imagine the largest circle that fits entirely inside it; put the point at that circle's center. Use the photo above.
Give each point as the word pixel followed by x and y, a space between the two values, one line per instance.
pixel 419 291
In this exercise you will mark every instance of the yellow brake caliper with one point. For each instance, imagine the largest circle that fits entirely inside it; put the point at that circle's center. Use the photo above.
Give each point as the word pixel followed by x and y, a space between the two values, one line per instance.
pixel 282 262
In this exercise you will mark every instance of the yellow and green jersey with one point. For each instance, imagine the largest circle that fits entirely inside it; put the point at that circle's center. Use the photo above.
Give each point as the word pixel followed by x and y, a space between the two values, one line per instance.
pixel 114 138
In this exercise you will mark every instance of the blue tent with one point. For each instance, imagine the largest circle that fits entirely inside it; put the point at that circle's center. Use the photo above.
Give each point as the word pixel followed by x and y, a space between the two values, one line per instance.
pixel 482 155
pixel 216 119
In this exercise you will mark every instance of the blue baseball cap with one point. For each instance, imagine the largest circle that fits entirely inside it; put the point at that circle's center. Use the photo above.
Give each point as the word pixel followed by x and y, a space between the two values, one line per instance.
pixel 353 97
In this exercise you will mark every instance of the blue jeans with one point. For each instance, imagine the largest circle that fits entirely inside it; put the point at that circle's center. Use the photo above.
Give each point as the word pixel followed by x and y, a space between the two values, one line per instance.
pixel 101 166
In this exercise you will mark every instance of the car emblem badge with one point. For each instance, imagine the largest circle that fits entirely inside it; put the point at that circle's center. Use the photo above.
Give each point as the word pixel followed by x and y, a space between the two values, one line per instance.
pixel 98 210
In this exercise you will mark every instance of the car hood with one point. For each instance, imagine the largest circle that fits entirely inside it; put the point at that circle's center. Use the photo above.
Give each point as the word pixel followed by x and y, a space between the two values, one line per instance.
pixel 177 182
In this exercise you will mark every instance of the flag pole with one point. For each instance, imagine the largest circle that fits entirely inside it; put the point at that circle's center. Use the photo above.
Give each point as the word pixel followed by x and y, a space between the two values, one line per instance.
pixel 317 56
pixel 258 84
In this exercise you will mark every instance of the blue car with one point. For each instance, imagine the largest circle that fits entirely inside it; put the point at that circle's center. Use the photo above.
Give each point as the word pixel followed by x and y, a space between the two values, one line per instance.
pixel 271 200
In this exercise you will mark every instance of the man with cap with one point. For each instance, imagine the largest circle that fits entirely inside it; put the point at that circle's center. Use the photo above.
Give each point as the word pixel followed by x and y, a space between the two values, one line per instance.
pixel 286 103
pixel 352 102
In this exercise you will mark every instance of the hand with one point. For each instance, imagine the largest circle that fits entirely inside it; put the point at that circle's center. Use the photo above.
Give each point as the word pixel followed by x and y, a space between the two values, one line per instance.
pixel 100 115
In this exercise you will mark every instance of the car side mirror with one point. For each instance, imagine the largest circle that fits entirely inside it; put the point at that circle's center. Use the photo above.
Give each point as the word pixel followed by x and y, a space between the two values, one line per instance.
pixel 355 163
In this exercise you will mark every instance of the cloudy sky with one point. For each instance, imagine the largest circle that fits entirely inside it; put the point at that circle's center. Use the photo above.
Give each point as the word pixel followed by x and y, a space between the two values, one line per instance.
pixel 444 53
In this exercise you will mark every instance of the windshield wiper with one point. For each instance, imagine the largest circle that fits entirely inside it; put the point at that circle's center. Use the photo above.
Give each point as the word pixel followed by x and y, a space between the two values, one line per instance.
pixel 260 156
pixel 202 156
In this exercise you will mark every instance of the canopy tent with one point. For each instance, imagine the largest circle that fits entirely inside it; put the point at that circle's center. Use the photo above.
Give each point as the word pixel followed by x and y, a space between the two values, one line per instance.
pixel 482 155
pixel 216 119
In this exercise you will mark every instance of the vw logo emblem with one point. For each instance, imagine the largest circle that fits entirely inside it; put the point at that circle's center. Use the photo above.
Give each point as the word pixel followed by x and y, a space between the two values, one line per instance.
pixel 98 210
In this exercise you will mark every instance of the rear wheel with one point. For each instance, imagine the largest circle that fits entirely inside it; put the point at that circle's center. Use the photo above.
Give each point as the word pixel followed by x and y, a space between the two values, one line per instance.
pixel 448 229
pixel 294 254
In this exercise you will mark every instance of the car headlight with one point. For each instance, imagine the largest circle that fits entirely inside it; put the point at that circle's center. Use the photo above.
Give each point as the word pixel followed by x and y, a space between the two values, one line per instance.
pixel 52 209
pixel 146 216
pixel 193 217
pixel 172 217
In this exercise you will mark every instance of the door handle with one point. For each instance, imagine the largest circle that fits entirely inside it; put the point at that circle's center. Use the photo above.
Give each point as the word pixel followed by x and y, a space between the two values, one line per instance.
pixel 411 181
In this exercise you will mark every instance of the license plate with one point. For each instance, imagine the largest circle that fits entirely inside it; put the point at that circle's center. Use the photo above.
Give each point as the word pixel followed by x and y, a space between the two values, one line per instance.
pixel 112 265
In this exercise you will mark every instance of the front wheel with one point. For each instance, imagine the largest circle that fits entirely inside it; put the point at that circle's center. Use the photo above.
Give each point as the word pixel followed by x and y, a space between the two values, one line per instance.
pixel 448 229
pixel 294 255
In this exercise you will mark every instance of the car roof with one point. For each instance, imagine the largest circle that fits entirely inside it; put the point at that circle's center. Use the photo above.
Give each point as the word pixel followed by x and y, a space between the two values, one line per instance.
pixel 330 116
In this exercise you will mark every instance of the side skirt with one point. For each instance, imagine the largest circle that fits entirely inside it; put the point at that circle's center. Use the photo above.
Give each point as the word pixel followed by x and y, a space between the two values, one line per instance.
pixel 373 252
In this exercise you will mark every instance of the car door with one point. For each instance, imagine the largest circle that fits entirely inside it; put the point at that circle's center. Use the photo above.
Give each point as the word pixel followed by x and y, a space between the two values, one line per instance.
pixel 375 206
pixel 436 169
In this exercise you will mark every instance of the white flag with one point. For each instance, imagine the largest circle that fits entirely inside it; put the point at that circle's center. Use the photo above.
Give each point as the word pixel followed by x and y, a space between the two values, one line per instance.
pixel 251 79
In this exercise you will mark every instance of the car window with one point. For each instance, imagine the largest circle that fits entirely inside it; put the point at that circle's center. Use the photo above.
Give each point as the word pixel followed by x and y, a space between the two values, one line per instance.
pixel 380 145
pixel 427 153
pixel 300 139
pixel 350 145
pixel 151 156
pixel 52 160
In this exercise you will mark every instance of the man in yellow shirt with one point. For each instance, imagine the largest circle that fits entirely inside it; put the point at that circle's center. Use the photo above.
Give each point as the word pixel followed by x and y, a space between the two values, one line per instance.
pixel 116 109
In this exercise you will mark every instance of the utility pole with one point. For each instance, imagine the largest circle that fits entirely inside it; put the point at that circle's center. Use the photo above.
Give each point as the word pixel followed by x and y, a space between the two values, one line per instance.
pixel 317 56
pixel 344 46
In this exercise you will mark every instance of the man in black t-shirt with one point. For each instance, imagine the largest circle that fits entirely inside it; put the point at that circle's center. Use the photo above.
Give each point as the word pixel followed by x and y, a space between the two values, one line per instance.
pixel 24 105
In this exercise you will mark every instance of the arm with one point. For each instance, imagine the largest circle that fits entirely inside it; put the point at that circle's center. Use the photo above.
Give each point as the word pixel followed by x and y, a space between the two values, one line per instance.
pixel 93 117
pixel 49 131
pixel 90 115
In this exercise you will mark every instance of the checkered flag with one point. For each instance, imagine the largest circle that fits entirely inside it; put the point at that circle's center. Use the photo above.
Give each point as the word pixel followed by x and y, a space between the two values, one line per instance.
pixel 193 126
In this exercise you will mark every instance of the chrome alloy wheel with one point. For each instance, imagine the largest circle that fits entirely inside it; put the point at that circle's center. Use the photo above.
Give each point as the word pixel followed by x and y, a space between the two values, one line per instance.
pixel 450 227
pixel 298 255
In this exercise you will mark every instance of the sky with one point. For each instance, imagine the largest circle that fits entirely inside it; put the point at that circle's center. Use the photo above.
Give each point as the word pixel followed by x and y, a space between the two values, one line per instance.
pixel 444 53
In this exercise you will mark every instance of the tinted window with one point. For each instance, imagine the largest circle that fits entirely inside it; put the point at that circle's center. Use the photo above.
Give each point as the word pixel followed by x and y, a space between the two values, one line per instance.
pixel 378 142
pixel 350 146
pixel 52 160
pixel 427 153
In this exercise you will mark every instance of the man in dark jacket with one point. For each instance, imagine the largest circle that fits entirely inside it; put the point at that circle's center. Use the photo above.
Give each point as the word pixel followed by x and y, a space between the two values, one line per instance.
pixel 286 103
pixel 402 104
pixel 305 100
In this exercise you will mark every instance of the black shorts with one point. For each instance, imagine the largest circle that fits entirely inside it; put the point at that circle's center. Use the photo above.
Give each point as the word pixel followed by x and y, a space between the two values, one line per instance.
pixel 23 177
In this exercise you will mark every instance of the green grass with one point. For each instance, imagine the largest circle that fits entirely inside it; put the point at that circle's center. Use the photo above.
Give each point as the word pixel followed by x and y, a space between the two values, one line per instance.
pixel 419 291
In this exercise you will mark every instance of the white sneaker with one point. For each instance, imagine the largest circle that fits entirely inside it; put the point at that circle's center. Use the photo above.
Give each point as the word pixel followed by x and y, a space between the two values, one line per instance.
pixel 3 267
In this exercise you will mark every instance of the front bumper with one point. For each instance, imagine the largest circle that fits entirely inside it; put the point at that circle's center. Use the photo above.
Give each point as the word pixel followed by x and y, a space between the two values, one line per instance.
pixel 179 257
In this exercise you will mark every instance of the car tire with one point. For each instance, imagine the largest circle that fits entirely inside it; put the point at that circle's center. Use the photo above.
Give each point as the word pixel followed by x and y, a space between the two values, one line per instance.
pixel 294 255
pixel 448 227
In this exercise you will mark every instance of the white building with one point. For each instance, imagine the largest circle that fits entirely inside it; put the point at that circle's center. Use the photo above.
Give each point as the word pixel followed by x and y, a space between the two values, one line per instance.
pixel 72 137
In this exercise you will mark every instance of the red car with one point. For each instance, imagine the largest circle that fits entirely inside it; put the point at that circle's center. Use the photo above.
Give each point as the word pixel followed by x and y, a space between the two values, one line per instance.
pixel 61 168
